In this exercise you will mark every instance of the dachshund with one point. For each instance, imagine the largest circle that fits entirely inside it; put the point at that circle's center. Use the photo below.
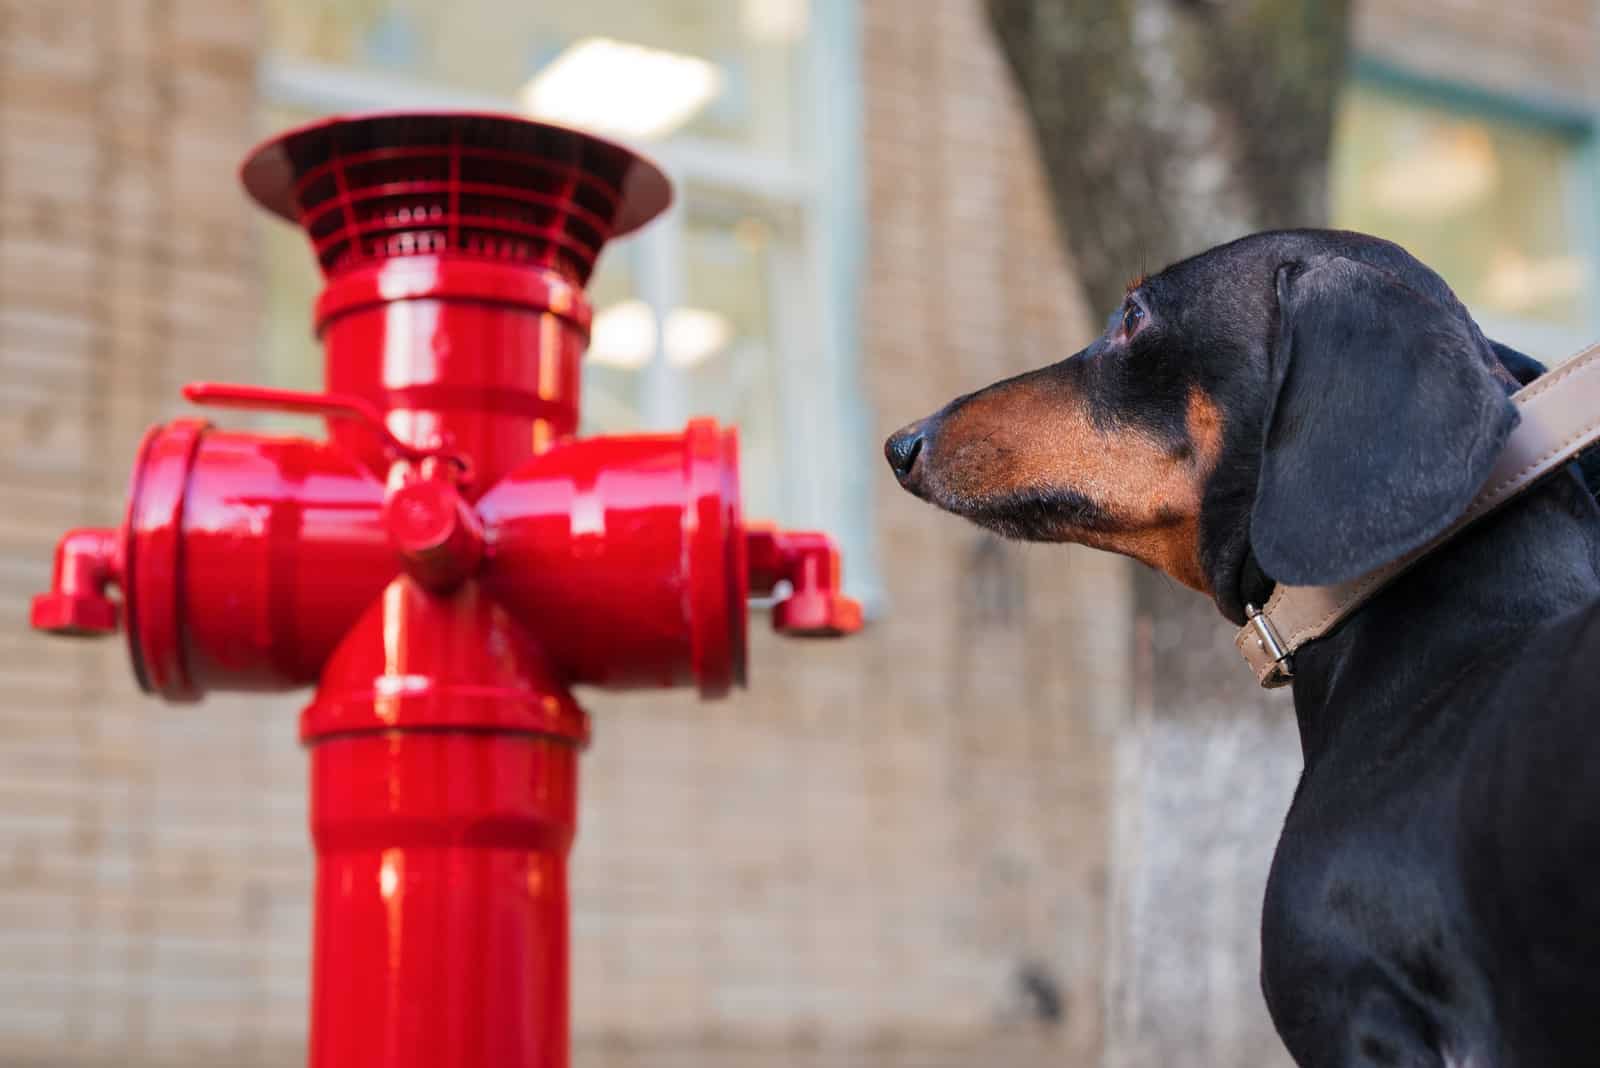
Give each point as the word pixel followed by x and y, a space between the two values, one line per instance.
pixel 1303 407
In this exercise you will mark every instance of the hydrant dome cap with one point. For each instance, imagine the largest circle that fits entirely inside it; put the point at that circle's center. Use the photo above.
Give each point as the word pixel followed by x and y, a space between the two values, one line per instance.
pixel 374 186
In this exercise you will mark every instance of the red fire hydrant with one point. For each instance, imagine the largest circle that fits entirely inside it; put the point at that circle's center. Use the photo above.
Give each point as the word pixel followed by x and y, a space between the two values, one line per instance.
pixel 444 568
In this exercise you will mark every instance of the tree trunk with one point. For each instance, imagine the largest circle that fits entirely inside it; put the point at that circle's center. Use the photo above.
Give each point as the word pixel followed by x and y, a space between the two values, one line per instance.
pixel 1166 127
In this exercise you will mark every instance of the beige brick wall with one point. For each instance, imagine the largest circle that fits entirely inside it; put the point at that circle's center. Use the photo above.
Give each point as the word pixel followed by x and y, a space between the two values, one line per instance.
pixel 152 871
pixel 849 865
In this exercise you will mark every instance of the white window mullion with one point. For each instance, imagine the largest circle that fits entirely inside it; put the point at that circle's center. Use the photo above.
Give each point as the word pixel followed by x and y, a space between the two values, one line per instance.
pixel 794 334
pixel 663 404
pixel 841 440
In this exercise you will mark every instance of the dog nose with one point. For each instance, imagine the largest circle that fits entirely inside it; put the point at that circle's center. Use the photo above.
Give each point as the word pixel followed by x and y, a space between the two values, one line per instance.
pixel 902 450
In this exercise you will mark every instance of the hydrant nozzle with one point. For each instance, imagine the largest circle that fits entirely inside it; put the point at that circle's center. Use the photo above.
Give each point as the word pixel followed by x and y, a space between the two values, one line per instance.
pixel 88 562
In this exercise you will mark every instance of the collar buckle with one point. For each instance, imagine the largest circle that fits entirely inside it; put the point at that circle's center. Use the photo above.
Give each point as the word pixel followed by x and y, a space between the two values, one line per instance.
pixel 1271 642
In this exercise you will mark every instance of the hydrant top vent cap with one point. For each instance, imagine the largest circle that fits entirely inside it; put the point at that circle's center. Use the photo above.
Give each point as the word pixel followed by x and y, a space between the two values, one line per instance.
pixel 375 187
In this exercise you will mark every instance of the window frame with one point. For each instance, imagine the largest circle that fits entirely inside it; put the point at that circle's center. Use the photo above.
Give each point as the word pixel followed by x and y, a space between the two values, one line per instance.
pixel 825 428
pixel 1569 119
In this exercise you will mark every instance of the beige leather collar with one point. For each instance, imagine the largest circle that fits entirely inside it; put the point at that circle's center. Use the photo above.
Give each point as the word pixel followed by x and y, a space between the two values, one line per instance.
pixel 1560 417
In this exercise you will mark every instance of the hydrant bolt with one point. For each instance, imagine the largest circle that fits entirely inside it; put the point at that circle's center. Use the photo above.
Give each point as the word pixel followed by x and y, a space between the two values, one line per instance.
pixel 438 535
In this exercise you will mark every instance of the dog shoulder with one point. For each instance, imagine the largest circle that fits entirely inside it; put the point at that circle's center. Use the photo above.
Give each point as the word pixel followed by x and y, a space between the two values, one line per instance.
pixel 1529 816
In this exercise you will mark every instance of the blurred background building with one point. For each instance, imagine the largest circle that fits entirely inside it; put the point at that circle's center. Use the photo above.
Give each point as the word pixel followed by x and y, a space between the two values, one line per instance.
pixel 979 831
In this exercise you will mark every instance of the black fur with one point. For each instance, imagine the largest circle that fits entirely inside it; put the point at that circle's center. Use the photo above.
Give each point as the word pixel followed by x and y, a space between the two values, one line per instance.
pixel 1435 897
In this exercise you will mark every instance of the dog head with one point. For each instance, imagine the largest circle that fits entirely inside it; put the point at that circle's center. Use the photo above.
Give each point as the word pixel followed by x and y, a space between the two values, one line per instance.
pixel 1296 406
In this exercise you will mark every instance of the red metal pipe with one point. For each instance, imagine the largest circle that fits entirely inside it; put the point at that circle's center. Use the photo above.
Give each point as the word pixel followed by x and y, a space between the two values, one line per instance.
pixel 443 804
pixel 88 562
pixel 809 562
pixel 249 559
pixel 638 540
pixel 480 357
pixel 445 568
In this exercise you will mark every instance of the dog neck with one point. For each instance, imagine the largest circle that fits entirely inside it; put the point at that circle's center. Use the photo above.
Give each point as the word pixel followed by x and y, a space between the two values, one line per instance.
pixel 1482 592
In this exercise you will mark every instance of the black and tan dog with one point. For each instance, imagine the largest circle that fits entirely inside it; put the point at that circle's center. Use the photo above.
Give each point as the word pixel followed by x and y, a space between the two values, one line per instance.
pixel 1303 407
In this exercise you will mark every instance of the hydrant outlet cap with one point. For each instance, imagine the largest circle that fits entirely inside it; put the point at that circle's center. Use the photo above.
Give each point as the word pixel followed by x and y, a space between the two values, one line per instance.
pixel 817 615
pixel 79 616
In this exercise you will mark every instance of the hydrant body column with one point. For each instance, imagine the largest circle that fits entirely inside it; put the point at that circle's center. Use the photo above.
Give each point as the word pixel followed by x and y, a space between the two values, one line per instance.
pixel 484 356
pixel 444 744
pixel 443 805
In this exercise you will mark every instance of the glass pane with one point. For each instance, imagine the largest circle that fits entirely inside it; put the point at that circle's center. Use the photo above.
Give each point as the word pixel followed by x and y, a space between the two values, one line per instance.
pixel 729 70
pixel 724 344
pixel 290 353
pixel 613 374
pixel 294 360
pixel 1489 204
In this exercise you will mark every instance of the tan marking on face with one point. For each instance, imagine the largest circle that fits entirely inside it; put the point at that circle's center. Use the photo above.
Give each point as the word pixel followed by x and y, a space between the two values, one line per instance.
pixel 1030 436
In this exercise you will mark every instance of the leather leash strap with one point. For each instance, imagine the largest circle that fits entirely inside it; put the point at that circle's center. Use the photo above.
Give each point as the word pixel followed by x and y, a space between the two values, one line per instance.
pixel 1560 417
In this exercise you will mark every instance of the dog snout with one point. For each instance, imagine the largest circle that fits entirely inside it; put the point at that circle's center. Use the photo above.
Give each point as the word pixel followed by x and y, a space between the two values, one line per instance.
pixel 903 449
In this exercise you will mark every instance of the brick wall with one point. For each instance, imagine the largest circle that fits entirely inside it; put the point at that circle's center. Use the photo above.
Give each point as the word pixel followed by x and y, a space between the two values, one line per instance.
pixel 862 861
pixel 152 872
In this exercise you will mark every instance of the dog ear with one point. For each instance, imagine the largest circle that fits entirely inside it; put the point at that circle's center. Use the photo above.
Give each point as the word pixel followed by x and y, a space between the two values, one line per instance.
pixel 1383 424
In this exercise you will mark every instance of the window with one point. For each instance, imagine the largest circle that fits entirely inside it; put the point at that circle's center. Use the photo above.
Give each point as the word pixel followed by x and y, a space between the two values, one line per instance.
pixel 1495 195
pixel 754 52
pixel 736 304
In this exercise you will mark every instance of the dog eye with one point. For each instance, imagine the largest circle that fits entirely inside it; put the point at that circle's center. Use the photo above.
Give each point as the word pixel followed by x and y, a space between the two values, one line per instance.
pixel 1132 316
